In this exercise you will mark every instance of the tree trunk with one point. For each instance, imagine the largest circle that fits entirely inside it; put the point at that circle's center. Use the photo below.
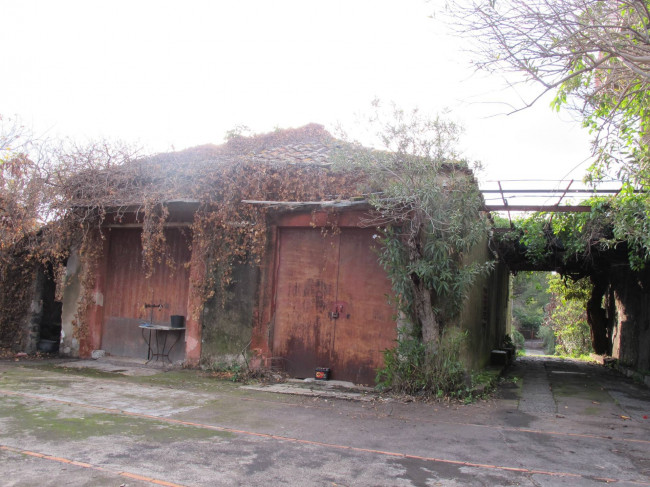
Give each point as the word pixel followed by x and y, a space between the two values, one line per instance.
pixel 597 319
pixel 425 316
pixel 422 298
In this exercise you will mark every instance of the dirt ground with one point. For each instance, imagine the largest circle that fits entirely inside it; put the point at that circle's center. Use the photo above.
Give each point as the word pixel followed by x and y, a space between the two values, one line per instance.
pixel 551 422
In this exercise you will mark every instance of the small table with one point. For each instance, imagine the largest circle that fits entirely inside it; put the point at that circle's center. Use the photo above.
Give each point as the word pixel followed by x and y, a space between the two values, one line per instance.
pixel 159 352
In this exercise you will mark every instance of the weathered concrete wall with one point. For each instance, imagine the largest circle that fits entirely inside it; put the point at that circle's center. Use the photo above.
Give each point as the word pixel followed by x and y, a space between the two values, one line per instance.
pixel 32 322
pixel 227 328
pixel 629 319
pixel 20 305
pixel 71 301
pixel 485 314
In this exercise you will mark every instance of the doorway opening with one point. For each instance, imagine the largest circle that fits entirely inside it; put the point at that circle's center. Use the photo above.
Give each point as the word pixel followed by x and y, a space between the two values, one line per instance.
pixel 549 314
pixel 49 321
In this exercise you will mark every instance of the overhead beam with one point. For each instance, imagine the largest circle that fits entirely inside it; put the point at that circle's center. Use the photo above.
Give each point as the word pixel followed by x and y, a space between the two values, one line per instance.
pixel 546 208
pixel 556 191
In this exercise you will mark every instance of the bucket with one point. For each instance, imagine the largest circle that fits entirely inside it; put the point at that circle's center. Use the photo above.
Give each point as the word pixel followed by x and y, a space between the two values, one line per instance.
pixel 178 321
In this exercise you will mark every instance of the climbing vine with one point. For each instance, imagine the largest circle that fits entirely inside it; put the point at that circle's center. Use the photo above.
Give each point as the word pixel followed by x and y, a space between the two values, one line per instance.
pixel 619 224
pixel 84 190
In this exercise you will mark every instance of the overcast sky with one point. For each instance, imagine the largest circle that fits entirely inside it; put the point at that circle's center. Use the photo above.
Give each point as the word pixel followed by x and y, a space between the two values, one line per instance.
pixel 174 74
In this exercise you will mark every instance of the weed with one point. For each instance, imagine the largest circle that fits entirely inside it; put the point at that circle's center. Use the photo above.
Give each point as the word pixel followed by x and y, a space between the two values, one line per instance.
pixel 410 369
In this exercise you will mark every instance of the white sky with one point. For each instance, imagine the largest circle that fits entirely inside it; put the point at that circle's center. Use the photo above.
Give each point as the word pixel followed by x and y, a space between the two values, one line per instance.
pixel 181 73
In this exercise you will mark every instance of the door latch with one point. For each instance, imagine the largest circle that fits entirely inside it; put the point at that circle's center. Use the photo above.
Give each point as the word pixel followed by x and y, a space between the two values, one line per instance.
pixel 337 312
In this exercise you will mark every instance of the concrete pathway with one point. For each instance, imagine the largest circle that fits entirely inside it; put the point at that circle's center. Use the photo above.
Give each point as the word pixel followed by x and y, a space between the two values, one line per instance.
pixel 534 347
pixel 552 422
pixel 536 394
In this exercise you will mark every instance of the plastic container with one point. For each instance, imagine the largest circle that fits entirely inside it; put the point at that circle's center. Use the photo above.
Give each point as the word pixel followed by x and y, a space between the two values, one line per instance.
pixel 178 321
pixel 322 373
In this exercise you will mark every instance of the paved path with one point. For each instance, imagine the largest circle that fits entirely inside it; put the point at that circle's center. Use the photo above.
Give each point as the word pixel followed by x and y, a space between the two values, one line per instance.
pixel 534 347
pixel 552 423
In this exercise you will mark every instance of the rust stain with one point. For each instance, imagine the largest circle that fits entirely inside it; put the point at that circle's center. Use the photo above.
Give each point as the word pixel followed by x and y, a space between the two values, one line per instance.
pixel 127 291
pixel 331 304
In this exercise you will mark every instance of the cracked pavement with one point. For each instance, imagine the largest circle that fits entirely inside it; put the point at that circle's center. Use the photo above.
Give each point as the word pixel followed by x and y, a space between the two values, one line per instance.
pixel 552 422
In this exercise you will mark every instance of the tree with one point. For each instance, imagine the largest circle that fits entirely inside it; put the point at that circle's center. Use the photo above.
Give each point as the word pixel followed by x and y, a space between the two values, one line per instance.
pixel 20 195
pixel 427 211
pixel 594 55
pixel 38 178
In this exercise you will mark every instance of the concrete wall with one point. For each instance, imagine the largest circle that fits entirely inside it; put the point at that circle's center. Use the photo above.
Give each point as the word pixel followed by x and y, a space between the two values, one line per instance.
pixel 486 313
pixel 71 300
pixel 32 321
pixel 226 325
pixel 629 319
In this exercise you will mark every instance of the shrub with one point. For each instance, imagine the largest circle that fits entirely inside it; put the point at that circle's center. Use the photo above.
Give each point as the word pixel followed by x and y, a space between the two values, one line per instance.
pixel 409 369
pixel 548 337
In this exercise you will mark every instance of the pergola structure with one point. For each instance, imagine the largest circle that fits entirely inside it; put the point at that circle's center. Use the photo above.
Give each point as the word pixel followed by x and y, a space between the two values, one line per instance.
pixel 507 190
pixel 547 197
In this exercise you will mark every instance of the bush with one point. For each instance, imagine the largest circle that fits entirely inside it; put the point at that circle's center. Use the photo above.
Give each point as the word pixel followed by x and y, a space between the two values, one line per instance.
pixel 567 316
pixel 409 369
pixel 574 336
pixel 548 337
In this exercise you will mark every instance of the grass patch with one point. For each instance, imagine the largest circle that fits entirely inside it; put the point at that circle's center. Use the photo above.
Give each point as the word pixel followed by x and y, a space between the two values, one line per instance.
pixel 77 424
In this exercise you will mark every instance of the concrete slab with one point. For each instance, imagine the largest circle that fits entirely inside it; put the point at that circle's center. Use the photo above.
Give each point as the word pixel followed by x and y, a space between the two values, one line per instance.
pixel 104 365
pixel 65 426
pixel 316 388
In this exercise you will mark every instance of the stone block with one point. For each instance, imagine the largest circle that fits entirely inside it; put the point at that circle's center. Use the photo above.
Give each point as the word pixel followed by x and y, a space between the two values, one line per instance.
pixel 97 354
pixel 498 357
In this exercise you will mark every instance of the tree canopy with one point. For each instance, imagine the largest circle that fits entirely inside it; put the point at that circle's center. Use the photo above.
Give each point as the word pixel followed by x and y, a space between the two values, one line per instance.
pixel 593 55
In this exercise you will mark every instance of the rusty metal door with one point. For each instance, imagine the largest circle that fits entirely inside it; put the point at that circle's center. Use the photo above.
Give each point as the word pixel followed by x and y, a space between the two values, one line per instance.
pixel 128 291
pixel 331 304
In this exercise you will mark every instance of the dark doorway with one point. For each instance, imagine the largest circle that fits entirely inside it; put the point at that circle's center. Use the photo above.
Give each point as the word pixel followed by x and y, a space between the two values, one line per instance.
pixel 50 321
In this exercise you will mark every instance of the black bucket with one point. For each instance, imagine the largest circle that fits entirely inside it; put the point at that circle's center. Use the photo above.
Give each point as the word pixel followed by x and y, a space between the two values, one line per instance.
pixel 178 321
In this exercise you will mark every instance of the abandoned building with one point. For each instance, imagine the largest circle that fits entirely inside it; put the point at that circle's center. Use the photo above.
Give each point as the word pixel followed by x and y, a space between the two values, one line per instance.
pixel 315 296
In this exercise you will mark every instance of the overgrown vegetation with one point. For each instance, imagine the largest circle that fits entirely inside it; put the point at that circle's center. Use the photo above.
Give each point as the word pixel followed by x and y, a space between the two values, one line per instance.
pixel 426 209
pixel 410 369
pixel 427 212
pixel 68 193
pixel 567 317
pixel 574 244
pixel 530 295
pixel 591 54
pixel 619 223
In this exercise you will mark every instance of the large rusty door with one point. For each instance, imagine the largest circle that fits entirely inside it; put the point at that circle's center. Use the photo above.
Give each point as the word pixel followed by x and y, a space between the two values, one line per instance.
pixel 128 291
pixel 305 288
pixel 331 307
pixel 366 323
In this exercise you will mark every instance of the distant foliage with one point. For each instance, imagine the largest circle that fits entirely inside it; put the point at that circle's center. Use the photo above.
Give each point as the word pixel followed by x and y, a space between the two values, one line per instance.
pixel 530 295
pixel 567 316
pixel 547 335
pixel 518 339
